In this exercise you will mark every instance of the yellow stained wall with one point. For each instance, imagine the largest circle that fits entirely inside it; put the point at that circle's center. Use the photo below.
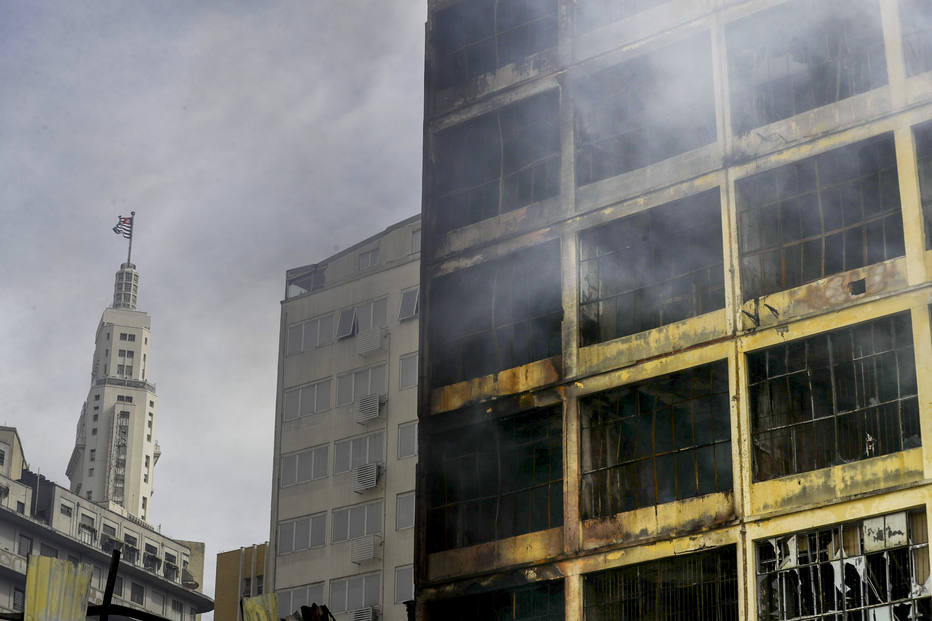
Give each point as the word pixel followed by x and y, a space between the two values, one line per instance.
pixel 232 567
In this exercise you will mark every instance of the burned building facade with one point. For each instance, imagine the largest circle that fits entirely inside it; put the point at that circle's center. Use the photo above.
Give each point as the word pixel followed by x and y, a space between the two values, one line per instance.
pixel 675 325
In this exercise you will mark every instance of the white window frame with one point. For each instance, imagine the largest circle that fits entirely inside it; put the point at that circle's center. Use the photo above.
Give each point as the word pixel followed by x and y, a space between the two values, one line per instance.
pixel 339 591
pixel 298 334
pixel 293 402
pixel 288 533
pixel 362 391
pixel 375 451
pixel 404 497
pixel 413 312
pixel 372 520
pixel 290 473
pixel 308 594
pixel 368 258
pixel 415 241
pixel 363 309
pixel 407 359
pixel 404 427
pixel 404 576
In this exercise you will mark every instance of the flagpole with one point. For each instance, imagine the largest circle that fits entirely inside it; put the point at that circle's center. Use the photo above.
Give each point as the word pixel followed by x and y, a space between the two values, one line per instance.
pixel 132 224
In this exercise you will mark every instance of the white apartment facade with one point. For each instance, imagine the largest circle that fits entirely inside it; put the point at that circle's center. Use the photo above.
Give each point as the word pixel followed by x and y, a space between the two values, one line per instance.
pixel 342 515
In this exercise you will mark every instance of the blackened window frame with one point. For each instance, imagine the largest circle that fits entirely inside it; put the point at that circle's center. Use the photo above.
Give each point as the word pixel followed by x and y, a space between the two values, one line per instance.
pixel 923 136
pixel 691 406
pixel 496 163
pixel 830 422
pixel 495 478
pixel 542 601
pixel 756 101
pixel 650 590
pixel 916 33
pixel 678 273
pixel 822 215
pixel 608 11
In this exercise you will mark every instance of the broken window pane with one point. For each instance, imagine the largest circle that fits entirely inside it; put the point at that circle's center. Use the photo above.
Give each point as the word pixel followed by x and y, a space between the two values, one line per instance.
pixel 635 113
pixel 836 51
pixel 829 213
pixel 651 269
pixel 833 398
pixel 592 14
pixel 916 21
pixel 876 568
pixel 699 587
pixel 477 36
pixel 923 135
pixel 664 439
pixel 496 315
pixel 494 479
pixel 543 601
pixel 497 162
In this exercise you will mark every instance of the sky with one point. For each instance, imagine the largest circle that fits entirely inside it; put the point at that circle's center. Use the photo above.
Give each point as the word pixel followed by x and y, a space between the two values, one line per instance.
pixel 250 138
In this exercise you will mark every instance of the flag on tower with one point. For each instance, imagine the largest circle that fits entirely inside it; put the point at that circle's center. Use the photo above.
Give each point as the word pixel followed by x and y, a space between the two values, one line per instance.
pixel 124 227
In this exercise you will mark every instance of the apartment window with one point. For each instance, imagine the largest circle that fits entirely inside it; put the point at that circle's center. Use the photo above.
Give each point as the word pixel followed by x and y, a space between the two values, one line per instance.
pixel 875 568
pixel 415 241
pixel 311 399
pixel 404 511
pixel 178 609
pixel 151 404
pixel 354 452
pixel 95 417
pixel 369 258
pixel 651 269
pixel 302 534
pixel 833 398
pixel 259 585
pixel 2 458
pixel 20 507
pixel 121 369
pixel 478 36
pixel 496 315
pixel 923 135
pixel 409 303
pixel 129 369
pixel 24 545
pixel 407 440
pixel 131 337
pixel 496 163
pixel 839 54
pixel 291 600
pixel 308 465
pixel 93 454
pixel 701 586
pixel 368 381
pixel 404 584
pixel 122 354
pixel 542 601
pixel 307 335
pixel 123 336
pixel 137 594
pixel 312 281
pixel 47 550
pixel 144 502
pixel 362 317
pixel 408 371
pixel 833 212
pixel 916 24
pixel 355 592
pixel 358 521
pixel 657 441
pixel 90 472
pixel 129 353
pixel 634 114
pixel 592 14
pixel 19 600
pixel 496 478
pixel 65 510
pixel 118 586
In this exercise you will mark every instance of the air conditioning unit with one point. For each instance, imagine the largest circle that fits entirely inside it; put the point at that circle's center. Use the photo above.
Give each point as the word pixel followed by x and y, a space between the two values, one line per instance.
pixel 365 614
pixel 366 477
pixel 371 341
pixel 368 408
pixel 365 549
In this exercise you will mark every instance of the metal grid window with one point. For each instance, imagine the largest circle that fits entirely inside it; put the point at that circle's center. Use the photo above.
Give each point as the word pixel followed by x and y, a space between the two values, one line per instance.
pixel 477 36
pixel 311 399
pixel 495 479
pixel 826 214
pixel 876 568
pixel 496 163
pixel 661 440
pixel 923 134
pixel 634 114
pixel 354 452
pixel 836 51
pixel 698 587
pixel 592 14
pixel 496 315
pixel 834 398
pixel 916 21
pixel 307 465
pixel 651 269
pixel 538 602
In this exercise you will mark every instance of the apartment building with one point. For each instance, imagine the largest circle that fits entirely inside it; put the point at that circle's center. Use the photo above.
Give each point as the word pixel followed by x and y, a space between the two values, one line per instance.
pixel 675 330
pixel 342 515
pixel 157 574
pixel 240 573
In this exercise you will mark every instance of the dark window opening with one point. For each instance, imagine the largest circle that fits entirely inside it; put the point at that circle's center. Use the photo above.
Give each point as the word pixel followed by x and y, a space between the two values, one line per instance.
pixel 834 398
pixel 826 214
pixel 592 14
pixel 644 110
pixel 916 24
pixel 877 568
pixel 497 315
pixel 923 134
pixel 497 163
pixel 494 479
pixel 539 602
pixel 478 36
pixel 661 440
pixel 651 269
pixel 836 51
pixel 699 587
